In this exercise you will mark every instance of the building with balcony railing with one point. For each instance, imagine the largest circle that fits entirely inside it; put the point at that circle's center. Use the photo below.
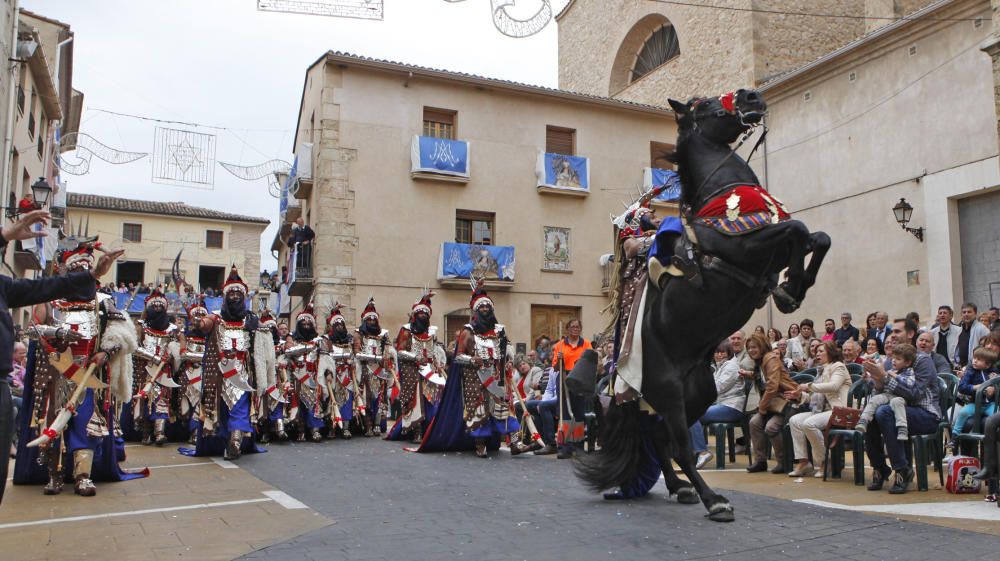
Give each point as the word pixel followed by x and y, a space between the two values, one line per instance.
pixel 415 177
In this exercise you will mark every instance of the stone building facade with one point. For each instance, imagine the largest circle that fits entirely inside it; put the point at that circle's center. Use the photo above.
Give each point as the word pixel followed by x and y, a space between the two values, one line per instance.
pixel 381 228
pixel 724 44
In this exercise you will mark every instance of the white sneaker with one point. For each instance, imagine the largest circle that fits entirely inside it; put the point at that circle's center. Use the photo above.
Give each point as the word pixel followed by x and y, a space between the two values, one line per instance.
pixel 703 458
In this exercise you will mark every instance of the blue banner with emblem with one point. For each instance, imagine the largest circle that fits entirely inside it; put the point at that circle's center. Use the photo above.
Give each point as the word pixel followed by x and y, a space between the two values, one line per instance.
pixel 559 171
pixel 439 155
pixel 655 177
pixel 462 260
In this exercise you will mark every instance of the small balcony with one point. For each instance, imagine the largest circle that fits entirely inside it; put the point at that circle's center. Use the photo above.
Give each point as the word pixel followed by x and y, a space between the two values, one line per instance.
pixel 559 174
pixel 439 159
pixel 301 277
pixel 458 262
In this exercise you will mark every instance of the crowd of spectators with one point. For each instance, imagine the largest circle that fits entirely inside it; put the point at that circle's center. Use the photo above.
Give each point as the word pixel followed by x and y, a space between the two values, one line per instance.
pixel 901 362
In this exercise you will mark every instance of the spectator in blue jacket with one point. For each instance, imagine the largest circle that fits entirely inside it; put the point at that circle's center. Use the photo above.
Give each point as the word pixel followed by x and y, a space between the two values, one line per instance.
pixel 976 374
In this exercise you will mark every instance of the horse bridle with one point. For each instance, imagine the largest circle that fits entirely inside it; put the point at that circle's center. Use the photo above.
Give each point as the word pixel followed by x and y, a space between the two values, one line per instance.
pixel 746 136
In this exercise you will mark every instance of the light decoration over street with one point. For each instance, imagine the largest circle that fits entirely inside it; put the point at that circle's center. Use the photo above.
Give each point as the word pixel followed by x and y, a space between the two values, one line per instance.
pixel 85 147
pixel 360 9
pixel 184 157
pixel 518 28
pixel 267 170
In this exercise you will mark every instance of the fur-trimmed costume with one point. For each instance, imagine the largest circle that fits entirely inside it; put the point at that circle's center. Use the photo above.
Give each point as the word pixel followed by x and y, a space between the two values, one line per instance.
pixel 375 368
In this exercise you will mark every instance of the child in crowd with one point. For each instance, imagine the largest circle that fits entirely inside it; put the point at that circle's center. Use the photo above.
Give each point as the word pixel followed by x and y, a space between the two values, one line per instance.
pixel 976 374
pixel 903 357
pixel 871 351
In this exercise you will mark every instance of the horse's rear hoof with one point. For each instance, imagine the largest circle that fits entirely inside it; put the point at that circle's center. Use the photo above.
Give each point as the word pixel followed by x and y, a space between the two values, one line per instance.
pixel 687 496
pixel 721 512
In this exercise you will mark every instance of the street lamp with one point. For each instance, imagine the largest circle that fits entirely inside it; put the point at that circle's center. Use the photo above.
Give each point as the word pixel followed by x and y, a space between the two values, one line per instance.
pixel 41 190
pixel 903 212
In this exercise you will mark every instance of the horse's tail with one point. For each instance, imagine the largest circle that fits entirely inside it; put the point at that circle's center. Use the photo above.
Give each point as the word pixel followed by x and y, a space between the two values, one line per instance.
pixel 617 462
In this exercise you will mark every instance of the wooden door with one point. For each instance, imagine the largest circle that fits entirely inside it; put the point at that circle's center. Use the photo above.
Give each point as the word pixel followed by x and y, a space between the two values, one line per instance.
pixel 551 321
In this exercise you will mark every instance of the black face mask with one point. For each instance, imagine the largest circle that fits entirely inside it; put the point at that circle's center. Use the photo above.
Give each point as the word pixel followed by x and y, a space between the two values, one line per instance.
pixel 304 332
pixel 484 321
pixel 157 319
pixel 339 335
pixel 371 330
pixel 233 310
pixel 646 223
pixel 420 324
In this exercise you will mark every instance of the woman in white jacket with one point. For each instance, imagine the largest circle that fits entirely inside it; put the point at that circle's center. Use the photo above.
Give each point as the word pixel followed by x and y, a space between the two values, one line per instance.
pixel 830 389
pixel 728 406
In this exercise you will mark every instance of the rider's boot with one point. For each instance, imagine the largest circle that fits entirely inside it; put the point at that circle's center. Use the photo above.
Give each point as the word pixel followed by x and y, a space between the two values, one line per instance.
pixel 683 259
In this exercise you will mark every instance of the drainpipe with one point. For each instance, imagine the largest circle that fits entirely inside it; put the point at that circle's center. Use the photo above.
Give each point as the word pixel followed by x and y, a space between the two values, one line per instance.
pixel 52 150
pixel 8 139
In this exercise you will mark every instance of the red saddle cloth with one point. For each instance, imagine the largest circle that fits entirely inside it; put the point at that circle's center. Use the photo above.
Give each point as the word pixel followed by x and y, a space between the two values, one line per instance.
pixel 743 209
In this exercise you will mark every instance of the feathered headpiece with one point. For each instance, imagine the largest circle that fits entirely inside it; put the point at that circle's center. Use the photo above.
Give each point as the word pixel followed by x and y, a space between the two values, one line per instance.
pixel 424 303
pixel 479 295
pixel 370 310
pixel 234 282
pixel 335 315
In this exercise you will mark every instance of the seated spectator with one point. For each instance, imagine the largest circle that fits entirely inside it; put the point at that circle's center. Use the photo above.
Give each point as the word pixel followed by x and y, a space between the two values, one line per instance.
pixel 922 413
pixel 759 330
pixel 976 374
pixel 915 318
pixel 773 335
pixel 728 406
pixel 814 345
pixel 527 377
pixel 543 347
pixel 846 331
pixel 827 391
pixel 852 352
pixel 544 420
pixel 868 331
pixel 795 350
pixel 829 327
pixel 773 381
pixel 925 344
pixel 209 292
pixel 782 347
pixel 871 352
pixel 986 319
pixel 903 357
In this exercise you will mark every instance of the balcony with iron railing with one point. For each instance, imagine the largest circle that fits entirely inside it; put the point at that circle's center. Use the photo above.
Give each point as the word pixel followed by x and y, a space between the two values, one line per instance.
pixel 300 281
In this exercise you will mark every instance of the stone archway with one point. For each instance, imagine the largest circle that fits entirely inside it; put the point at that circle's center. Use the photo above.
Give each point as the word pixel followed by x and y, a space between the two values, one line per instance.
pixel 631 45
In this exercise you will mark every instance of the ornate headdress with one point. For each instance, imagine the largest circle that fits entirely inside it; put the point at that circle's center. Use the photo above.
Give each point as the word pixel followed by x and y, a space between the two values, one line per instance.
pixel 628 222
pixel 370 310
pixel 267 320
pixel 335 315
pixel 424 303
pixel 234 282
pixel 197 307
pixel 479 295
pixel 156 296
pixel 306 313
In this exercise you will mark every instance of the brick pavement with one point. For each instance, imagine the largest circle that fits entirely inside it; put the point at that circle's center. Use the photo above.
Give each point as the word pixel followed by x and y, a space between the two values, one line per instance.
pixel 391 504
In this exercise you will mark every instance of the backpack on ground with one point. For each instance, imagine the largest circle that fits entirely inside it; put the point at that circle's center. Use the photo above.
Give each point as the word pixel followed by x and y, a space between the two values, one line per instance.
pixel 960 471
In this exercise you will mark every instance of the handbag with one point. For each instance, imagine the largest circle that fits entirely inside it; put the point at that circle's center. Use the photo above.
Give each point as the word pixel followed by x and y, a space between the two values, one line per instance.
pixel 841 418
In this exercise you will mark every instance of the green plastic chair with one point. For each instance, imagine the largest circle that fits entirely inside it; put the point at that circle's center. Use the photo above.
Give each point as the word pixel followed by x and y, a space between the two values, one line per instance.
pixel 976 435
pixel 726 433
pixel 857 397
pixel 926 444
pixel 803 378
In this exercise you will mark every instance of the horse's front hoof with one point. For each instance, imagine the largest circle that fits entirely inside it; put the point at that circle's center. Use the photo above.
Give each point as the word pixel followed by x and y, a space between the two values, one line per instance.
pixel 721 512
pixel 687 496
pixel 784 301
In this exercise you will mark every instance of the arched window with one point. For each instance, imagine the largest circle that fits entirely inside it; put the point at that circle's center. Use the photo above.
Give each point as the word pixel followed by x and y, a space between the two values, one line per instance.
pixel 659 48
pixel 650 43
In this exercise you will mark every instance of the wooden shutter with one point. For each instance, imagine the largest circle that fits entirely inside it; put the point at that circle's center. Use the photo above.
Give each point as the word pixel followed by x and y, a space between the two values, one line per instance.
pixel 559 140
pixel 439 123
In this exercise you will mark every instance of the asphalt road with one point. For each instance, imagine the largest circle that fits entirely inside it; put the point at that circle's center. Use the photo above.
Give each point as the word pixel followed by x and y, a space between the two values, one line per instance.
pixel 395 505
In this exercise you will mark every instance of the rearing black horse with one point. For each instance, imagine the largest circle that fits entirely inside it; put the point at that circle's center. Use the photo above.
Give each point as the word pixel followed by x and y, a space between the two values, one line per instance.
pixel 740 253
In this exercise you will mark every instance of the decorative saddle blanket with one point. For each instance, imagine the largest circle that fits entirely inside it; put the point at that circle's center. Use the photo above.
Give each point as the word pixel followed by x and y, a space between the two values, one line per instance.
pixel 742 209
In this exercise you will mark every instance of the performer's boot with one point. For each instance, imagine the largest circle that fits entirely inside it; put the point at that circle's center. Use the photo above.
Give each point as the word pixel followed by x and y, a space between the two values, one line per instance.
pixel 265 436
pixel 315 435
pixel 683 259
pixel 279 430
pixel 159 431
pixel 416 432
pixel 147 432
pixel 368 426
pixel 481 447
pixel 346 433
pixel 55 484
pixel 193 439
pixel 83 462
pixel 233 448
pixel 377 428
